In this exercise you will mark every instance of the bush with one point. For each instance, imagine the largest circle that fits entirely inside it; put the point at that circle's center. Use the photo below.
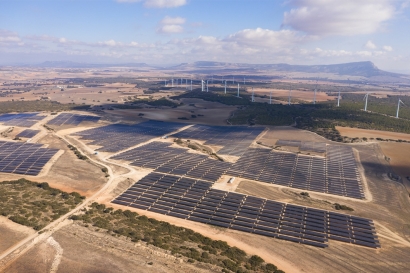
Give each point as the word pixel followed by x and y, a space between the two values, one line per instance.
pixel 255 261
pixel 342 207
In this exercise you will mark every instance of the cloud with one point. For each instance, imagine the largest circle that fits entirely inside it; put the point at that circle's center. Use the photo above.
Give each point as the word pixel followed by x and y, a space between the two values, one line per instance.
pixel 158 3
pixel 265 38
pixel 335 17
pixel 388 48
pixel 173 20
pixel 170 25
pixel 370 45
pixel 9 37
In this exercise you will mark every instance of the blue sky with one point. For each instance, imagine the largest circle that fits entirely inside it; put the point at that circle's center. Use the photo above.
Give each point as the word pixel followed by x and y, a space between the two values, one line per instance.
pixel 175 31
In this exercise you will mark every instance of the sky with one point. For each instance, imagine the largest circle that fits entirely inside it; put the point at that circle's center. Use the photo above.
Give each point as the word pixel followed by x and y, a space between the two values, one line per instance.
pixel 167 32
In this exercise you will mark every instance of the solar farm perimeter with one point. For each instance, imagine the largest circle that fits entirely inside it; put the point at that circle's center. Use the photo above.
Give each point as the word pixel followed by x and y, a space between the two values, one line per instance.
pixel 181 182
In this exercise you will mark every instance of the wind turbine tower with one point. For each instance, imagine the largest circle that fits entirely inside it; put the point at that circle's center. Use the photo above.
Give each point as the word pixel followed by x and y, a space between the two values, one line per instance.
pixel 202 85
pixel 398 107
pixel 253 95
pixel 206 85
pixel 290 94
pixel 191 84
pixel 365 104
pixel 238 91
pixel 225 87
pixel 338 99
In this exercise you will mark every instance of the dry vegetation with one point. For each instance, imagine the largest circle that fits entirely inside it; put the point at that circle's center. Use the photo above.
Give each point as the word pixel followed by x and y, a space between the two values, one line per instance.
pixel 35 204
pixel 180 241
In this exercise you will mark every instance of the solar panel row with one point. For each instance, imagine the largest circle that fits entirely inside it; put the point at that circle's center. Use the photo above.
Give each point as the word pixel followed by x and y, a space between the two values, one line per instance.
pixel 24 158
pixel 319 147
pixel 159 156
pixel 234 139
pixel 195 200
pixel 337 174
pixel 117 137
pixel 28 133
pixel 21 120
pixel 72 119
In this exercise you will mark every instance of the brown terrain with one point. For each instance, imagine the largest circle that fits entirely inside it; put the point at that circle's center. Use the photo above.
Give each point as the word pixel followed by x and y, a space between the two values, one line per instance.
pixel 73 247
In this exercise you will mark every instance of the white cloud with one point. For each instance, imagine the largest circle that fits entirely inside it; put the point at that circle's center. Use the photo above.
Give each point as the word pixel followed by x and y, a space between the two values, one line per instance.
pixel 158 3
pixel 265 38
pixel 370 45
pixel 171 25
pixel 335 17
pixel 9 37
pixel 173 20
pixel 171 29
pixel 62 40
pixel 164 3
pixel 388 48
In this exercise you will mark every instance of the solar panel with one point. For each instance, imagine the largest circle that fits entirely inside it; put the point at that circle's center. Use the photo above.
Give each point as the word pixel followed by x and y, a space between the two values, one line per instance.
pixel 28 133
pixel 72 119
pixel 24 158
pixel 21 119
pixel 247 213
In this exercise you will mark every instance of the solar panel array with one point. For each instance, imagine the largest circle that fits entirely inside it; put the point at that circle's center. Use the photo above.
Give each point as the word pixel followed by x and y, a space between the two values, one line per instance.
pixel 342 173
pixel 28 133
pixel 234 139
pixel 336 174
pixel 21 120
pixel 72 119
pixel 159 156
pixel 319 147
pixel 117 137
pixel 195 200
pixel 24 158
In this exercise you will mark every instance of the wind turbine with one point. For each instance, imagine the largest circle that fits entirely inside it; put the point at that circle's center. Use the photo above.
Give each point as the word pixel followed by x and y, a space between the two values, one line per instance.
pixel 225 87
pixel 243 80
pixel 206 85
pixel 165 83
pixel 338 99
pixel 238 91
pixel 191 84
pixel 365 104
pixel 202 84
pixel 398 107
pixel 290 94
pixel 253 95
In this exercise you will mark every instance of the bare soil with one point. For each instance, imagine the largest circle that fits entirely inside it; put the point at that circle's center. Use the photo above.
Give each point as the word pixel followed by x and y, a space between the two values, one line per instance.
pixel 86 249
pixel 399 154
pixel 11 233
pixel 360 133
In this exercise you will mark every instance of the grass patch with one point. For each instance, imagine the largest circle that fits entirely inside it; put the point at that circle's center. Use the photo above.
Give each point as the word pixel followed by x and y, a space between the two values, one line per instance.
pixel 35 204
